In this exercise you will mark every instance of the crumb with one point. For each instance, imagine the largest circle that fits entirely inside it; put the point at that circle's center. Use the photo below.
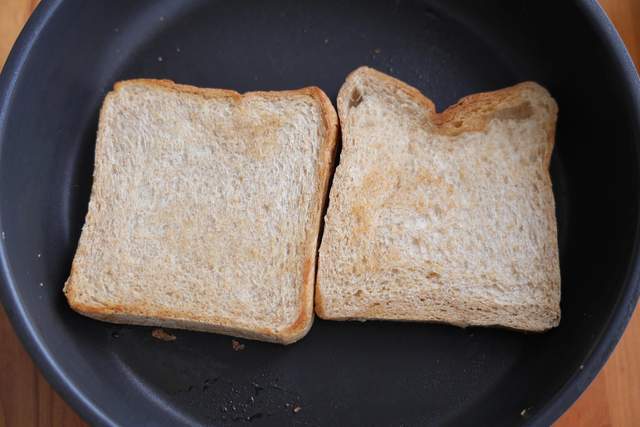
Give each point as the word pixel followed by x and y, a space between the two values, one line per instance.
pixel 326 41
pixel 41 284
pixel 160 334
pixel 116 30
pixel 3 235
pixel 162 18
pixel 178 49
pixel 39 255
pixel 377 50
pixel 523 412
pixel 297 409
pixel 581 367
pixel 236 345
pixel 159 58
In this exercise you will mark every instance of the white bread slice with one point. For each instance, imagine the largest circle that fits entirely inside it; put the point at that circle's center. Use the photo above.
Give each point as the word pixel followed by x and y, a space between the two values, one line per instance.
pixel 205 209
pixel 444 217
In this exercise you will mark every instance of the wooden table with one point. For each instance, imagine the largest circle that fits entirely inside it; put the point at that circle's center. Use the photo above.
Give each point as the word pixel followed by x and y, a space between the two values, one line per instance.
pixel 613 399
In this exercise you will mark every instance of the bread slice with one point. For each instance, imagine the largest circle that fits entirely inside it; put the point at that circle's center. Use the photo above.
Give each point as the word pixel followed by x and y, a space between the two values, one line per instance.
pixel 445 217
pixel 205 209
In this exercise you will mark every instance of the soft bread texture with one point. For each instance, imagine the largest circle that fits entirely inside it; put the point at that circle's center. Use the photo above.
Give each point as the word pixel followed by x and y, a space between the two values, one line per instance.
pixel 444 217
pixel 205 209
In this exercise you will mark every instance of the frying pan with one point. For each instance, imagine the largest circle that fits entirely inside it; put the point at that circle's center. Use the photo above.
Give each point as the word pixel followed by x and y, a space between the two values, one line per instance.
pixel 343 373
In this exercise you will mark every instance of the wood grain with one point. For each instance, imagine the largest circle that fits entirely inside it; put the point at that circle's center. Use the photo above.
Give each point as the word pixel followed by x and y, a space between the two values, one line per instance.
pixel 613 399
pixel 26 399
pixel 13 15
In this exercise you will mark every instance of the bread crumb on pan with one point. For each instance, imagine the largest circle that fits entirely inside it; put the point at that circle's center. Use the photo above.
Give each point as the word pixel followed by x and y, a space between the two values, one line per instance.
pixel 237 346
pixel 162 335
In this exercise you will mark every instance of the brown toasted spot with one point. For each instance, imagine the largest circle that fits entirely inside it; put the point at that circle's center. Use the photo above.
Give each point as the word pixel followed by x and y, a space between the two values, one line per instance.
pixel 362 219
pixel 424 177
pixel 372 180
pixel 355 99
pixel 258 137
pixel 474 112
pixel 97 310
pixel 519 112
pixel 237 346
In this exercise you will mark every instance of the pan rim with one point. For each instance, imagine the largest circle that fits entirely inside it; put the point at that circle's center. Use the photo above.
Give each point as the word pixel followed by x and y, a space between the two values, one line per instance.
pixel 91 411
pixel 29 337
pixel 628 299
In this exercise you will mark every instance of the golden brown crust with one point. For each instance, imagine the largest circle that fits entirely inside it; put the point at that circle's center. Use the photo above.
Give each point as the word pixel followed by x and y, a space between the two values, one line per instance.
pixel 378 311
pixel 366 315
pixel 474 112
pixel 398 84
pixel 471 113
pixel 319 304
pixel 142 315
pixel 212 93
pixel 136 315
pixel 304 321
pixel 170 85
pixel 69 286
pixel 551 137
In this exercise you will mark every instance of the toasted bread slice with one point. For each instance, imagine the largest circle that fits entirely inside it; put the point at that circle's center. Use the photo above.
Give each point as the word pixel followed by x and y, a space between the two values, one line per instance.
pixel 205 209
pixel 444 217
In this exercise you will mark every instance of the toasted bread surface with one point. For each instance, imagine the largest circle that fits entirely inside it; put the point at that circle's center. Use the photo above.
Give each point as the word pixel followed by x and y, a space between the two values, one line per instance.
pixel 205 209
pixel 443 217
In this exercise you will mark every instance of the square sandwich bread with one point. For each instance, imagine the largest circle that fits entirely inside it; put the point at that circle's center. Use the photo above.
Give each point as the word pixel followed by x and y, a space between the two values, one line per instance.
pixel 444 217
pixel 205 209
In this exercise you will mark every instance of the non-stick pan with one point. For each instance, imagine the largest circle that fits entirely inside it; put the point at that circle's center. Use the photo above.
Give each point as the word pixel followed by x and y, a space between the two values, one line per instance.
pixel 342 373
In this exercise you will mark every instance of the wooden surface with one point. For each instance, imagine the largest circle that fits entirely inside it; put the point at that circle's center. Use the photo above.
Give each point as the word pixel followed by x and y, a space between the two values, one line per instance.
pixel 613 399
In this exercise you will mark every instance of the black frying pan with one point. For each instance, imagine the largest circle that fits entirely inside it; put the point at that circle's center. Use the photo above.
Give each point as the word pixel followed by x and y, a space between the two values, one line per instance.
pixel 342 373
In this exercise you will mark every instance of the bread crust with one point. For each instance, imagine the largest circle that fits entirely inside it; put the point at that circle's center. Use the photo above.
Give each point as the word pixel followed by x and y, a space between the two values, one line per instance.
pixel 143 315
pixel 471 113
